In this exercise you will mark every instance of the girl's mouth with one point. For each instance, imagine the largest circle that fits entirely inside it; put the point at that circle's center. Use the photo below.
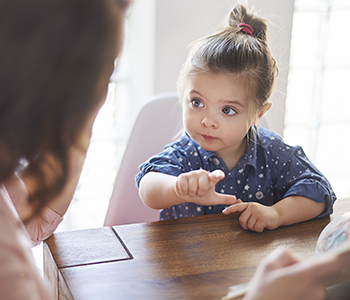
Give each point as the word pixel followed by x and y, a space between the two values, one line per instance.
pixel 208 137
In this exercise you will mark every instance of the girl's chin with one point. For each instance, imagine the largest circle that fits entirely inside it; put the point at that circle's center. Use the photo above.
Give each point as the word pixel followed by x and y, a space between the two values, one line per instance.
pixel 207 146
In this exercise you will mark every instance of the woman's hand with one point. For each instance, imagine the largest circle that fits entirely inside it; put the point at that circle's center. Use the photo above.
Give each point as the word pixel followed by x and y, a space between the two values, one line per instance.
pixel 282 276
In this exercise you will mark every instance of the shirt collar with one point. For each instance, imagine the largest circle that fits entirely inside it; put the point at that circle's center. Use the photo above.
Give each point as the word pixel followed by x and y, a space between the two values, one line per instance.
pixel 248 158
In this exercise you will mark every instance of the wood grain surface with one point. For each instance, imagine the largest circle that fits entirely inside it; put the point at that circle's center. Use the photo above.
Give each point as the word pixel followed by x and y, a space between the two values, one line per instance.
pixel 189 258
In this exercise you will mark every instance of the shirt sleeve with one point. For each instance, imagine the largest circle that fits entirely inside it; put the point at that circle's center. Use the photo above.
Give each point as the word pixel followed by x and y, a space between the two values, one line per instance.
pixel 43 225
pixel 299 177
pixel 171 161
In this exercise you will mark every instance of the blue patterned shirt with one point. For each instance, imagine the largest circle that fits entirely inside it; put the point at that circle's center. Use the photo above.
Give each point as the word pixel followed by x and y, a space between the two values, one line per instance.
pixel 267 172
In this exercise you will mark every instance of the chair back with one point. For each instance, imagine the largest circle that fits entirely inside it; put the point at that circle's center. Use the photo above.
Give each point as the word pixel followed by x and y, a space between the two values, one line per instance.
pixel 156 125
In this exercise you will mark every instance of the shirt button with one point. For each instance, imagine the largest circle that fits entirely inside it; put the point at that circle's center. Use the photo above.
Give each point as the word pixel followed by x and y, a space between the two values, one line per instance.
pixel 216 161
pixel 259 195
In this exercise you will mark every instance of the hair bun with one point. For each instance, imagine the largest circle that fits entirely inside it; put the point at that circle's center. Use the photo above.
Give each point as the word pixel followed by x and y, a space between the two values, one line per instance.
pixel 244 21
pixel 237 15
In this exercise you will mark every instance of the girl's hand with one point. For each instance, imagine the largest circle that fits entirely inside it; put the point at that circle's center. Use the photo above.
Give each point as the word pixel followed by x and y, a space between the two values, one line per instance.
pixel 199 187
pixel 255 216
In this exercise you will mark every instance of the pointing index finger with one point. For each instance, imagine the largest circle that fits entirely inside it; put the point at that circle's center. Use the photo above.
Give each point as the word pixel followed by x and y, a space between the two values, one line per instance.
pixel 216 175
pixel 237 207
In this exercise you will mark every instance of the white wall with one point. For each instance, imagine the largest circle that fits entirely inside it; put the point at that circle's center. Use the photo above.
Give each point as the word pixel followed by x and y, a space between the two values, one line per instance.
pixel 177 23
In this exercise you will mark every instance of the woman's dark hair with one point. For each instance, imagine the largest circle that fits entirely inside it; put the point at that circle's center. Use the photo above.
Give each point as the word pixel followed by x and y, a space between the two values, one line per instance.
pixel 235 51
pixel 52 55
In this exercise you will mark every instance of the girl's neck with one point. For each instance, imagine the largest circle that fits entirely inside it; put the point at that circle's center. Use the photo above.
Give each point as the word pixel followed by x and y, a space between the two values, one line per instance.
pixel 232 158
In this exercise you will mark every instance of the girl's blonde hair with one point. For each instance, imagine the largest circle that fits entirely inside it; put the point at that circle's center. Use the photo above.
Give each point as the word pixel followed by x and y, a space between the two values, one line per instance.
pixel 237 52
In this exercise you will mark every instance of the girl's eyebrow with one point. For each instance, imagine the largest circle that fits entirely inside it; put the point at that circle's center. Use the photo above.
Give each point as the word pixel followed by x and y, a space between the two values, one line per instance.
pixel 233 102
pixel 193 91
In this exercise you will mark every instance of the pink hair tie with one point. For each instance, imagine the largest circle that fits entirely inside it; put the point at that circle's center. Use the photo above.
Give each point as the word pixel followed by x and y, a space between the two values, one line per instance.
pixel 246 28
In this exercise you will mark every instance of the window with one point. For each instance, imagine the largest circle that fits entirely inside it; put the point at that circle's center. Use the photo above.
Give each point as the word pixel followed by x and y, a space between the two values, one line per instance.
pixel 110 133
pixel 318 101
pixel 130 86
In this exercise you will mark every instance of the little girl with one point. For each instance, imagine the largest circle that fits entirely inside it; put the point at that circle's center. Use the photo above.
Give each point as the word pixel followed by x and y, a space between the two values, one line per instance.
pixel 224 161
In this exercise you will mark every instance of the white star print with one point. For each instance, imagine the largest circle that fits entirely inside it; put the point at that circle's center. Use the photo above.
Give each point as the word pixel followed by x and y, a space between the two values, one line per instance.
pixel 240 171
pixel 261 175
pixel 180 159
pixel 247 187
pixel 222 191
pixel 199 209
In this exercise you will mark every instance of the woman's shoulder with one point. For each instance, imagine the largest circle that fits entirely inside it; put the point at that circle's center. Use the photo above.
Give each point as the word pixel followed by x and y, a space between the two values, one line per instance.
pixel 15 246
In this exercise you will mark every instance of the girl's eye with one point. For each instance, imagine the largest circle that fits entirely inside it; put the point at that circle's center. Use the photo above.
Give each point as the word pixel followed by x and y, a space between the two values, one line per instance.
pixel 228 111
pixel 197 103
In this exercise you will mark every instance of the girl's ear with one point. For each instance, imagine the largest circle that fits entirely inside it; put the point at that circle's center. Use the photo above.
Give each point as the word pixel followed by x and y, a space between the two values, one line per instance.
pixel 262 111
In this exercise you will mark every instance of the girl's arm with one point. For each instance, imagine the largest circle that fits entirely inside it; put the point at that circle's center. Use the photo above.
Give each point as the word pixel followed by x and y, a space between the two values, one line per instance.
pixel 296 209
pixel 158 190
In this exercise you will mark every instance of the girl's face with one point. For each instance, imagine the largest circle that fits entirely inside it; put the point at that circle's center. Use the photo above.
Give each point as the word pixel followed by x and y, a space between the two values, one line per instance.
pixel 215 113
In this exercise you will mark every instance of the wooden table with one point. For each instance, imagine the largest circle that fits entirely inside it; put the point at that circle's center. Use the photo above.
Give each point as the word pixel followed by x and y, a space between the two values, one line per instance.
pixel 189 258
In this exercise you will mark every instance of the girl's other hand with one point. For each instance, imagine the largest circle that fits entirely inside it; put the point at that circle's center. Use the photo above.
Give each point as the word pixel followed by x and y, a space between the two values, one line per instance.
pixel 199 187
pixel 255 216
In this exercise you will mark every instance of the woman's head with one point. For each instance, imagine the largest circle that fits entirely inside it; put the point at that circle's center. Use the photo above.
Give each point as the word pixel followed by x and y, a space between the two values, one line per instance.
pixel 236 50
pixel 56 58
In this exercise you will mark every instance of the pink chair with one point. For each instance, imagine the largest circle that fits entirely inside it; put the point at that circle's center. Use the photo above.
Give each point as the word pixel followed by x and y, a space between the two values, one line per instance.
pixel 156 125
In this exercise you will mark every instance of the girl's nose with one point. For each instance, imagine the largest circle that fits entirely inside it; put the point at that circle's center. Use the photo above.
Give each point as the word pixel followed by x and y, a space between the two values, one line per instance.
pixel 209 121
